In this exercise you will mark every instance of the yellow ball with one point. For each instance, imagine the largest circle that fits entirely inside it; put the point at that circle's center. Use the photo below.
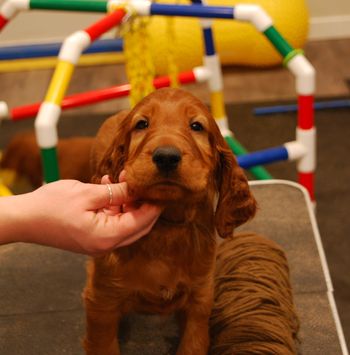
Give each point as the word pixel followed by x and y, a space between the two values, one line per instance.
pixel 236 42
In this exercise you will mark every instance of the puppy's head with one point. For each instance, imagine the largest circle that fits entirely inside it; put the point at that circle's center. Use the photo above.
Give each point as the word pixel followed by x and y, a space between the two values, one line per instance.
pixel 172 151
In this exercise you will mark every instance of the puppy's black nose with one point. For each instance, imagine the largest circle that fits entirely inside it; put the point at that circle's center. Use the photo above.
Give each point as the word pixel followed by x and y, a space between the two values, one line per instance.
pixel 166 158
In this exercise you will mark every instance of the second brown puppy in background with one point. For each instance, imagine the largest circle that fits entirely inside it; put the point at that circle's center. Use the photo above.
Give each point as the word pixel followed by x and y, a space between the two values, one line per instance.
pixel 22 155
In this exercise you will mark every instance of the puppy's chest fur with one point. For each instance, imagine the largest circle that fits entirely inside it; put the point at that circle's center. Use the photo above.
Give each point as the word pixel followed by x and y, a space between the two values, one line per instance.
pixel 159 272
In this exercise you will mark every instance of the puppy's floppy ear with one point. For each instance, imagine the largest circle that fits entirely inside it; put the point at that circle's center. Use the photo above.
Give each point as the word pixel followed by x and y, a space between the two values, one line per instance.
pixel 236 203
pixel 110 148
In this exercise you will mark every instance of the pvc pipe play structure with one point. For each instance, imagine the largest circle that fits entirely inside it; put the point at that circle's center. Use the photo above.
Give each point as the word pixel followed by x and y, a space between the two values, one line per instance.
pixel 302 149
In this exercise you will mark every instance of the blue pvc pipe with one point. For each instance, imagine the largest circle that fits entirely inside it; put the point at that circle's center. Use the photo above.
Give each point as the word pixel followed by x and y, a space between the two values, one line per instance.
pixel 52 49
pixel 261 157
pixel 270 110
pixel 209 41
pixel 196 10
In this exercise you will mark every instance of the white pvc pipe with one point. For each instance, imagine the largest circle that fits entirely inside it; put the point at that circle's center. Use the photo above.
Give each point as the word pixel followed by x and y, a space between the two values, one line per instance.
pixel 141 7
pixel 45 125
pixel 296 150
pixel 73 46
pixel 4 110
pixel 202 74
pixel 10 8
pixel 253 14
pixel 206 23
pixel 212 63
pixel 305 74
pixel 222 122
pixel 307 138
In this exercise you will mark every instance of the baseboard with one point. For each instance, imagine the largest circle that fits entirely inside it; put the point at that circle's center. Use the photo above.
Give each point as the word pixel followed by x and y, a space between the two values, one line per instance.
pixel 329 27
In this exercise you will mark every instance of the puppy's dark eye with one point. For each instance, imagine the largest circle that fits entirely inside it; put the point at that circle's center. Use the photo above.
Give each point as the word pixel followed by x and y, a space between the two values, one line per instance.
pixel 141 124
pixel 196 126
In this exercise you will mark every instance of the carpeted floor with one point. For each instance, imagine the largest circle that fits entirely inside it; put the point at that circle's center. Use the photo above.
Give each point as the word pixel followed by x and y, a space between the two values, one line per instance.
pixel 332 181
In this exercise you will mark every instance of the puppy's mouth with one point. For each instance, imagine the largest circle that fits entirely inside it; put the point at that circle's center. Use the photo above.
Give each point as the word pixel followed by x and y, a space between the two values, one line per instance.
pixel 168 184
pixel 159 190
pixel 168 187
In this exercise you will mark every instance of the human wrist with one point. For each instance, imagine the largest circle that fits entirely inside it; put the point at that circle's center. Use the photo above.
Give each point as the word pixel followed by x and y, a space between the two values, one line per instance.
pixel 10 220
pixel 18 218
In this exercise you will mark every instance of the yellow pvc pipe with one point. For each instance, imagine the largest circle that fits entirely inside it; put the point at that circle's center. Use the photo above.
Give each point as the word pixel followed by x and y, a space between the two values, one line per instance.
pixel 217 104
pixel 59 82
pixel 44 63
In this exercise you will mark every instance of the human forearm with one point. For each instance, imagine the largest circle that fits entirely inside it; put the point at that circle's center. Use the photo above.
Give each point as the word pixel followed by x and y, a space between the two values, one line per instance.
pixel 14 219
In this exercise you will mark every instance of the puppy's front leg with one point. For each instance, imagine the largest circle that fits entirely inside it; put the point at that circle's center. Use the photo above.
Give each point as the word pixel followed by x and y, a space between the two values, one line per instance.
pixel 195 323
pixel 101 330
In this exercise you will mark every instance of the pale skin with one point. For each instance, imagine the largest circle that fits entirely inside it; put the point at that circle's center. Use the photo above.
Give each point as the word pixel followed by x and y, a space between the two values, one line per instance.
pixel 75 216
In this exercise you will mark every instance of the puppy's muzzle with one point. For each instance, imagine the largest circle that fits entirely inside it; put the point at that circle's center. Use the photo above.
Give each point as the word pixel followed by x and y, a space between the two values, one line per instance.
pixel 166 158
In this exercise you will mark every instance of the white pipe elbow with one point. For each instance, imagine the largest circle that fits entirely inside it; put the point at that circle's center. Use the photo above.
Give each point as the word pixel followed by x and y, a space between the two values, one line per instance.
pixel 46 125
pixel 73 46
pixel 305 75
pixel 10 8
pixel 253 14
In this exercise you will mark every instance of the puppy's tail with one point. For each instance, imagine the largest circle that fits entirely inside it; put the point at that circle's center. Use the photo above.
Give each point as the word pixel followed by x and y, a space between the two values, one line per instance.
pixel 253 307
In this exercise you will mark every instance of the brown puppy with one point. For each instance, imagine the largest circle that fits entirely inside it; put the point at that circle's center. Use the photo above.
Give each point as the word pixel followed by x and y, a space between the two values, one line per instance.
pixel 175 156
pixel 22 154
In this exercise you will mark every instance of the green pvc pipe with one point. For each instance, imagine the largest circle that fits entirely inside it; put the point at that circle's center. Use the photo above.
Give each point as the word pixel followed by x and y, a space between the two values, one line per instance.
pixel 70 5
pixel 283 47
pixel 258 172
pixel 50 164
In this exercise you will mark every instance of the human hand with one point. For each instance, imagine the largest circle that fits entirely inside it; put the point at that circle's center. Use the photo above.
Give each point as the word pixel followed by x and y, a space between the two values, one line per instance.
pixel 79 217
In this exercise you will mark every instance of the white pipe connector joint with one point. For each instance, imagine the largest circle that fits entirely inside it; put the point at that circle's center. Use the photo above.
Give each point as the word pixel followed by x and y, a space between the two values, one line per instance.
pixel 10 8
pixel 46 125
pixel 4 110
pixel 206 23
pixel 305 75
pixel 202 74
pixel 253 14
pixel 222 122
pixel 73 46
pixel 141 7
pixel 307 138
pixel 212 63
pixel 296 150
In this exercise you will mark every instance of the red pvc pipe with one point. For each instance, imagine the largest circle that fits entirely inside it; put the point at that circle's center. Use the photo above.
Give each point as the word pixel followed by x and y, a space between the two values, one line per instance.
pixel 91 97
pixel 104 25
pixel 184 78
pixel 23 112
pixel 3 21
pixel 306 112
pixel 307 180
